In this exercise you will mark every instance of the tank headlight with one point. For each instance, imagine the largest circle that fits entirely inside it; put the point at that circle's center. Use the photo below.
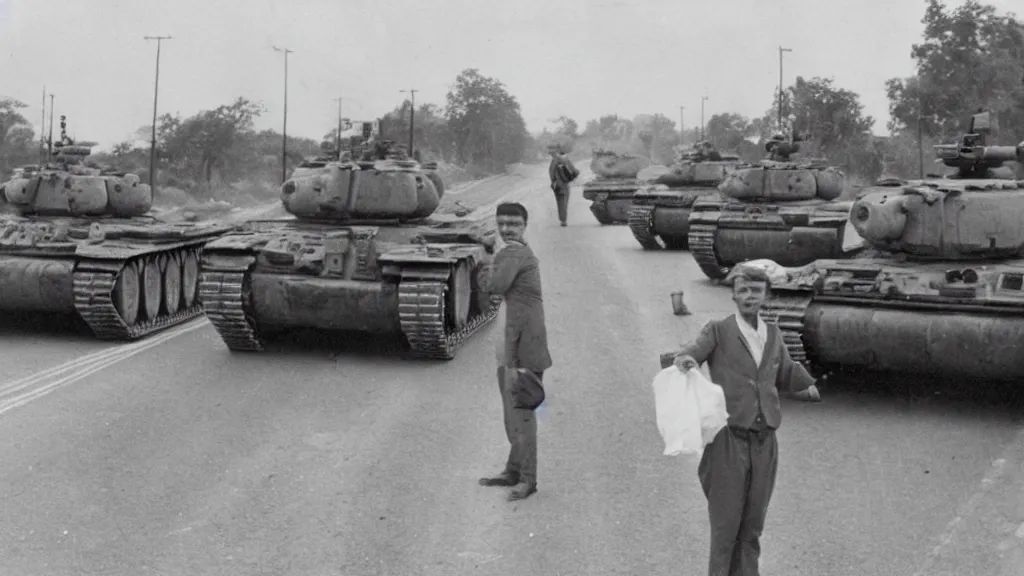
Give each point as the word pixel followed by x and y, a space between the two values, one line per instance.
pixel 970 276
pixel 863 213
pixel 953 276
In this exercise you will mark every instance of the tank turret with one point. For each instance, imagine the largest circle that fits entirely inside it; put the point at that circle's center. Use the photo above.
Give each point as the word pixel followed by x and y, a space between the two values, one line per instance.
pixel 68 185
pixel 972 213
pixel 382 184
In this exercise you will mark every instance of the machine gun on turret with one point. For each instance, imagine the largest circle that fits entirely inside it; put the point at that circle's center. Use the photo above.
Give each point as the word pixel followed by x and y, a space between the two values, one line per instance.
pixel 972 158
pixel 702 151
pixel 779 149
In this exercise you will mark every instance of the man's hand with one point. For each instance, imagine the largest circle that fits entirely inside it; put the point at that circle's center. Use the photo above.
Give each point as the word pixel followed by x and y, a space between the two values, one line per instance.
pixel 514 243
pixel 809 395
pixel 685 363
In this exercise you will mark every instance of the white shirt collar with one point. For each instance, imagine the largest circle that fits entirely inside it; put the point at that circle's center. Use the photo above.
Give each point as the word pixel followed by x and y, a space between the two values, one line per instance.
pixel 756 339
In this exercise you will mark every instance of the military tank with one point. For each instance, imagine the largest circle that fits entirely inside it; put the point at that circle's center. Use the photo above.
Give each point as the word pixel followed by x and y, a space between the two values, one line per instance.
pixel 780 208
pixel 944 291
pixel 76 239
pixel 362 250
pixel 660 213
pixel 611 190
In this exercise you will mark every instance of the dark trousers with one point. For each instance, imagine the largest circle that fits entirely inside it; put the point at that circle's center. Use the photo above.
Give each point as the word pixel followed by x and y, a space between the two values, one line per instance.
pixel 737 472
pixel 562 201
pixel 521 430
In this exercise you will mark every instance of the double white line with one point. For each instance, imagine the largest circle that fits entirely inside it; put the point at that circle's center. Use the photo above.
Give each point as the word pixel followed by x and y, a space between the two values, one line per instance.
pixel 25 390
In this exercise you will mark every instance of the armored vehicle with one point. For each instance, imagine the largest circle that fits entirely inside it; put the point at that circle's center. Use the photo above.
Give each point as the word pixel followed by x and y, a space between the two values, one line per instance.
pixel 76 239
pixel 781 209
pixel 611 191
pixel 944 294
pixel 363 250
pixel 660 214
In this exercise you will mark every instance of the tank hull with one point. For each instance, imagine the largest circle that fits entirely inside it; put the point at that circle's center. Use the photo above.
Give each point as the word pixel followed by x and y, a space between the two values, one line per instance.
pixel 125 277
pixel 724 233
pixel 611 198
pixel 914 318
pixel 660 215
pixel 421 281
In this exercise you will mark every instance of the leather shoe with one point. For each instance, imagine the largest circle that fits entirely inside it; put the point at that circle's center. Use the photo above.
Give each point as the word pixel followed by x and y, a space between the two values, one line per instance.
pixel 520 491
pixel 503 479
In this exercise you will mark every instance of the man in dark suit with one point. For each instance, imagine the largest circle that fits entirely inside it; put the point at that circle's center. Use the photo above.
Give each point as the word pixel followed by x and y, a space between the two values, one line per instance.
pixel 749 360
pixel 522 345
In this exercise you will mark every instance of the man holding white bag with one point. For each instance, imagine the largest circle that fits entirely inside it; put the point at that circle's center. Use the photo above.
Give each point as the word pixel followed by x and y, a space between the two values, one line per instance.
pixel 737 471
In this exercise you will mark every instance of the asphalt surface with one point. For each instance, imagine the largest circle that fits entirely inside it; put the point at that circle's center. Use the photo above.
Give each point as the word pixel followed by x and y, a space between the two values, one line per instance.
pixel 332 455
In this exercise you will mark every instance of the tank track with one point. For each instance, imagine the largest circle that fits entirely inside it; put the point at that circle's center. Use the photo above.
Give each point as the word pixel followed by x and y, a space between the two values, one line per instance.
pixel 222 289
pixel 641 223
pixel 787 312
pixel 93 284
pixel 600 211
pixel 702 246
pixel 421 312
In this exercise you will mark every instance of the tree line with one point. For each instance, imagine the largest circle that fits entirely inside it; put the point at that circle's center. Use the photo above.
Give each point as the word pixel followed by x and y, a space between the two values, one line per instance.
pixel 970 58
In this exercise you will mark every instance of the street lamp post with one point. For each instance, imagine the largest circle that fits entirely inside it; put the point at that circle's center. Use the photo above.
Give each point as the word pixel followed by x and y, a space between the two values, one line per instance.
pixel 284 130
pixel 337 138
pixel 412 114
pixel 49 144
pixel 156 90
pixel 702 100
pixel 682 128
pixel 781 50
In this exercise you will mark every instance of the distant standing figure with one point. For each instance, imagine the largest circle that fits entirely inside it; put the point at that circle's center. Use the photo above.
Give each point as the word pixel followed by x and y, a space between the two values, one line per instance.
pixel 522 346
pixel 562 172
pixel 750 361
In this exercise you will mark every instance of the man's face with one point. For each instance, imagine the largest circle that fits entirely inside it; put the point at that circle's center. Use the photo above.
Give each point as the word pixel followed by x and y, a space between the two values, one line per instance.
pixel 511 228
pixel 749 295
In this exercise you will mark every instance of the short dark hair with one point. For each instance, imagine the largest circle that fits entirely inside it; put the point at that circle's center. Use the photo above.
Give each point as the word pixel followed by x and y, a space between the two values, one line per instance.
pixel 512 209
pixel 751 274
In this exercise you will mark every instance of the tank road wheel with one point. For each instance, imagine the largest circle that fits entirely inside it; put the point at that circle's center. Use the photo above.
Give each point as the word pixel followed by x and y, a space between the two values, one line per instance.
pixel 189 278
pixel 152 287
pixel 172 284
pixel 458 296
pixel 127 296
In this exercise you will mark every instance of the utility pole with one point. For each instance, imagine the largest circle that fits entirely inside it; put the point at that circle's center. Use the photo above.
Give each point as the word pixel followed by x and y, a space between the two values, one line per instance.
pixel 49 145
pixel 920 143
pixel 682 129
pixel 42 128
pixel 412 114
pixel 284 139
pixel 702 100
pixel 156 90
pixel 338 138
pixel 781 50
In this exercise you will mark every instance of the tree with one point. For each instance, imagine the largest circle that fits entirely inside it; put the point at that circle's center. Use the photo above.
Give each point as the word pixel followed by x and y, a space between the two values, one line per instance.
pixel 727 131
pixel 486 125
pixel 970 59
pixel 205 143
pixel 831 122
pixel 10 117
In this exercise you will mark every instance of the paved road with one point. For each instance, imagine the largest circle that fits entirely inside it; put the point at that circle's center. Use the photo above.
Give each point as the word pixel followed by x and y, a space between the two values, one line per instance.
pixel 331 456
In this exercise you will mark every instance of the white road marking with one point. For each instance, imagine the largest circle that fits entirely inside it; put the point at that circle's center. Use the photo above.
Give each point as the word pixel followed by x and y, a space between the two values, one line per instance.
pixel 80 368
pixel 992 475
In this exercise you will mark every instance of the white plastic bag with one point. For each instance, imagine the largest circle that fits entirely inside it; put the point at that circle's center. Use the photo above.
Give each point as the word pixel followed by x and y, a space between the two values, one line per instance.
pixel 690 410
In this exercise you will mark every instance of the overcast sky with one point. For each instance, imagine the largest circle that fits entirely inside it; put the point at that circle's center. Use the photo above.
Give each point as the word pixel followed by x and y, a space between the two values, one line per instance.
pixel 579 58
